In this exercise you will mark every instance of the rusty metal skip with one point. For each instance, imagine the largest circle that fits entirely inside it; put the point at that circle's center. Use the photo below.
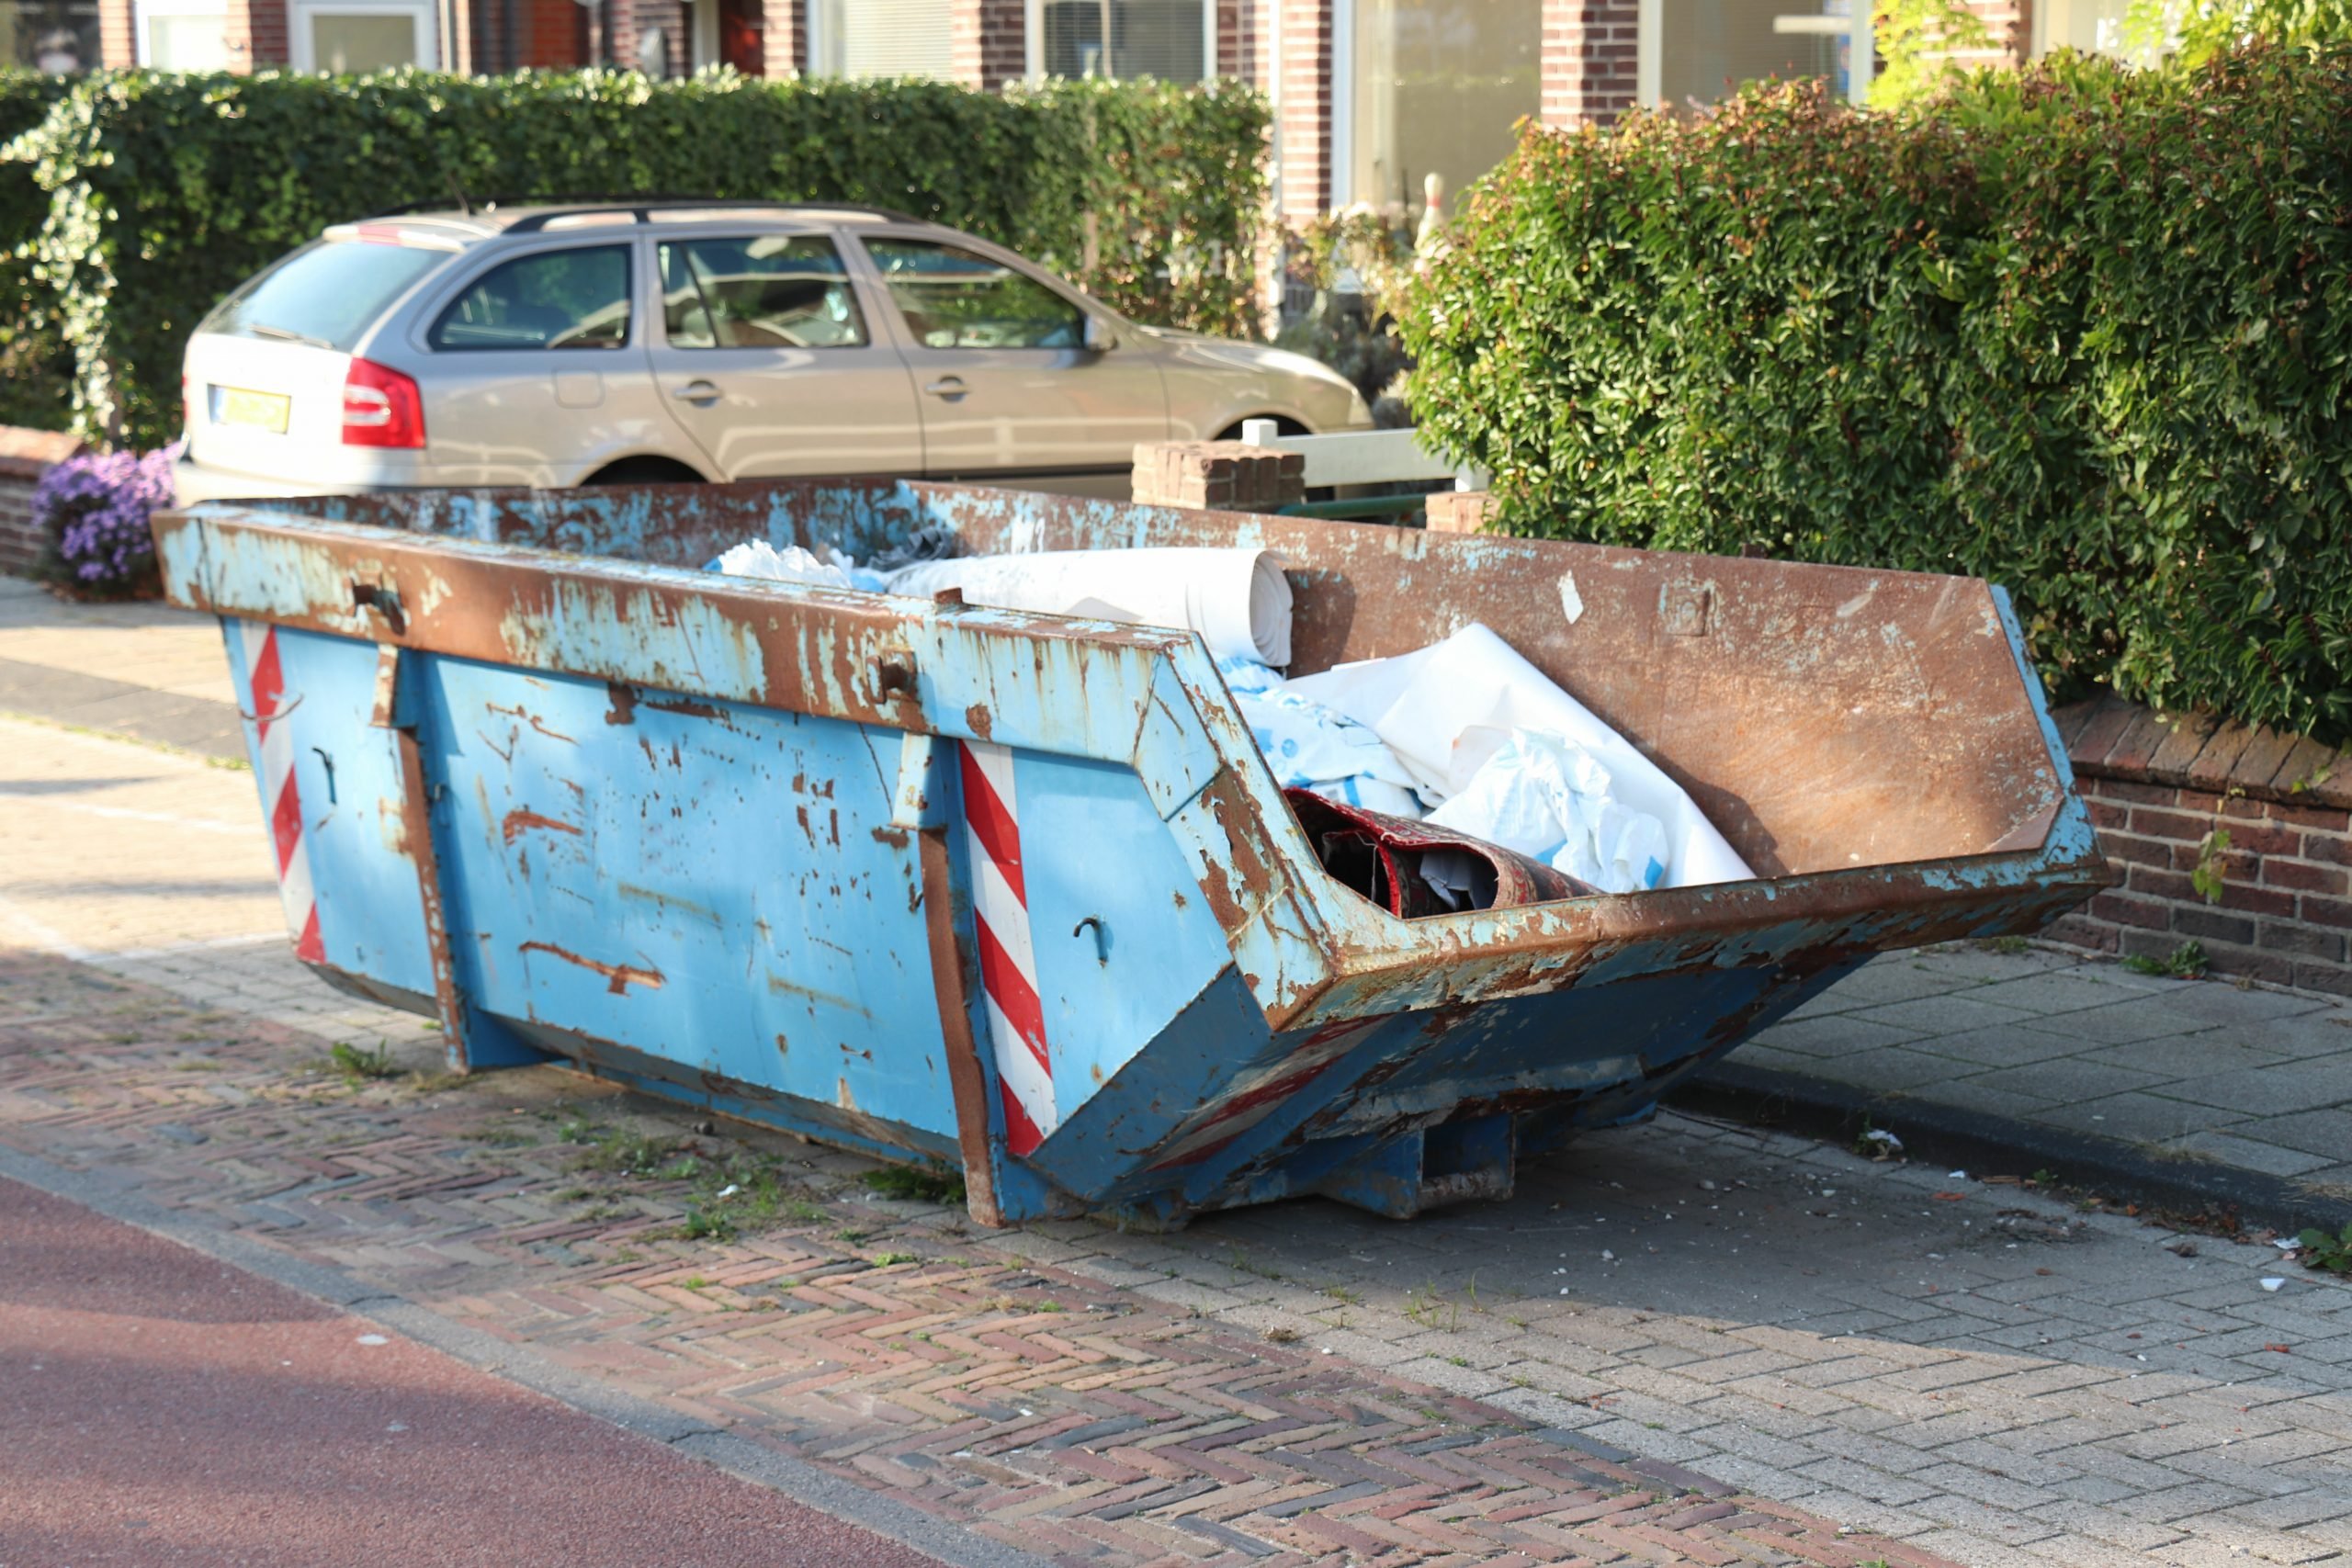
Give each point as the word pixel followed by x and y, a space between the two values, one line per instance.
pixel 1016 893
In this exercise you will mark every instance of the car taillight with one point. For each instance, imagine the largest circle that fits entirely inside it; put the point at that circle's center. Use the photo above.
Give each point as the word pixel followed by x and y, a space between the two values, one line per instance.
pixel 380 407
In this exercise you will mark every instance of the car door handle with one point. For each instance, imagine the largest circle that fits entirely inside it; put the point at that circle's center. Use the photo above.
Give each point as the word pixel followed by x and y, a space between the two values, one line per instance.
pixel 696 391
pixel 949 387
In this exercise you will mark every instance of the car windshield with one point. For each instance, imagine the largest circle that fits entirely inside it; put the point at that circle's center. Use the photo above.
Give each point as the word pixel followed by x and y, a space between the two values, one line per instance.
pixel 327 294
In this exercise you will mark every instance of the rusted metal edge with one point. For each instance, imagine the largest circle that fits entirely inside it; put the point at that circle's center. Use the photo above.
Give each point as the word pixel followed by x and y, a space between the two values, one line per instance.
pixel 416 836
pixel 1558 943
pixel 831 653
pixel 966 1077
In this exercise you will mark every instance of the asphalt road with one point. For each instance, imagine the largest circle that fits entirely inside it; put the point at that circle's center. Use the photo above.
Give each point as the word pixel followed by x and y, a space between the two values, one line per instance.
pixel 160 1407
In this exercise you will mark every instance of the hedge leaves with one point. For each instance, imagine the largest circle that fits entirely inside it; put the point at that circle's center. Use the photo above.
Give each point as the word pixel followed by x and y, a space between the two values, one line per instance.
pixel 2082 331
pixel 166 190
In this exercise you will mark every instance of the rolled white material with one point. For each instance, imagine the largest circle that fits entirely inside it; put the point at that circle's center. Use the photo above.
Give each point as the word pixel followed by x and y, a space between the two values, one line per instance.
pixel 1238 599
pixel 1447 709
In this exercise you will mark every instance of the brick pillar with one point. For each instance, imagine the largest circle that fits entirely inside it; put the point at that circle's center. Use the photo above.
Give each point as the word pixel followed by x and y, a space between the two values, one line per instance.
pixel 1304 135
pixel 1460 511
pixel 25 457
pixel 987 42
pixel 1219 476
pixel 783 39
pixel 1591 61
pixel 267 41
pixel 117 47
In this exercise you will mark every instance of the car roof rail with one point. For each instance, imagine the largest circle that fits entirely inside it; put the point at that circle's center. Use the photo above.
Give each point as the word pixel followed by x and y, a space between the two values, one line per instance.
pixel 641 203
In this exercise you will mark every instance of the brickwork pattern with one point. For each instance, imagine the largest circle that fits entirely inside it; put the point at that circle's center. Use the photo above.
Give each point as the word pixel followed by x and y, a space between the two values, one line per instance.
pixel 2158 789
pixel 987 42
pixel 1082 1421
pixel 1460 511
pixel 1591 61
pixel 1222 476
pixel 1304 130
pixel 25 455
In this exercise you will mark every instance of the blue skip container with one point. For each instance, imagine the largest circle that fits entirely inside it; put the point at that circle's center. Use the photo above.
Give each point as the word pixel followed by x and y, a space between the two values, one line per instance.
pixel 1016 893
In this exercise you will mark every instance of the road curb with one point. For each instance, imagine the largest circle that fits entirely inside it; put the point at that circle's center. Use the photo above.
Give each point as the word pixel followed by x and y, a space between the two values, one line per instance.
pixel 1988 1143
pixel 107 1194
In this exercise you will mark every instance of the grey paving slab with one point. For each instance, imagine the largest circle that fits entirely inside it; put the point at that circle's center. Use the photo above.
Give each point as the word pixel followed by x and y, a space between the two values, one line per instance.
pixel 1896 977
pixel 1951 1014
pixel 2061 991
pixel 2139 1018
pixel 2327 1133
pixel 1833 1034
pixel 2002 1045
pixel 1890 1069
pixel 2250 1154
pixel 2068 1080
pixel 2143 1118
pixel 2309 1086
pixel 2203 1054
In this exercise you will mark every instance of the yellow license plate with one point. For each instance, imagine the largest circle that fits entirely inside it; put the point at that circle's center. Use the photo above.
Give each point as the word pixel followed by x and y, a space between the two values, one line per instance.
pixel 261 411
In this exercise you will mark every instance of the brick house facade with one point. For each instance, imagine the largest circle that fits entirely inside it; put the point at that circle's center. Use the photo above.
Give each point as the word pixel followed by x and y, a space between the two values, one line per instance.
pixel 1579 62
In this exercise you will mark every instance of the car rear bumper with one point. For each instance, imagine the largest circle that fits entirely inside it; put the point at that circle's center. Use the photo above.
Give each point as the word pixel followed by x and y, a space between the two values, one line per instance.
pixel 194 481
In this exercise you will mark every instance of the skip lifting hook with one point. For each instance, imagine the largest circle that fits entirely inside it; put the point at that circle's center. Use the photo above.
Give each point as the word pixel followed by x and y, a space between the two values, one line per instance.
pixel 1101 937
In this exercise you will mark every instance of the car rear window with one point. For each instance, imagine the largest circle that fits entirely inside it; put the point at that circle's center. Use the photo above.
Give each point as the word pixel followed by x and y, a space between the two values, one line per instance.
pixel 328 293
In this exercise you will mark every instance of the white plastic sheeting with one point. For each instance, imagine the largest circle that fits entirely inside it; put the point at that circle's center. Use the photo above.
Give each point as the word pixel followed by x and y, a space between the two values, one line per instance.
pixel 1315 748
pixel 1236 599
pixel 1450 710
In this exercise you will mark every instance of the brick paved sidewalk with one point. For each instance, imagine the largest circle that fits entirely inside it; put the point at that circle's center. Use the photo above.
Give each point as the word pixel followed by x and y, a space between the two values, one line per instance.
pixel 1074 1418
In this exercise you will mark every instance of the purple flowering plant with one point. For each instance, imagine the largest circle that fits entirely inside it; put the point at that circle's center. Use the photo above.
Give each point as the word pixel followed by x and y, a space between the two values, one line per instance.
pixel 93 509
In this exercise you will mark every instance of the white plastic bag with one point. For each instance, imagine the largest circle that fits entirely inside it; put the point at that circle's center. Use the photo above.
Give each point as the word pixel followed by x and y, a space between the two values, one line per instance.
pixel 1549 799
pixel 757 557
pixel 1309 745
pixel 1447 709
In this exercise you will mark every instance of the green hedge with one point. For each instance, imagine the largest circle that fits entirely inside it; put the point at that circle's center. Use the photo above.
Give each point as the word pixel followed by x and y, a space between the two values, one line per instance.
pixel 33 364
pixel 2084 332
pixel 167 190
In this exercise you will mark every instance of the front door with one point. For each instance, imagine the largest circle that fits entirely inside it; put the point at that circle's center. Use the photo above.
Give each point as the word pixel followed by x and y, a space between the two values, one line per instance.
pixel 766 360
pixel 1009 390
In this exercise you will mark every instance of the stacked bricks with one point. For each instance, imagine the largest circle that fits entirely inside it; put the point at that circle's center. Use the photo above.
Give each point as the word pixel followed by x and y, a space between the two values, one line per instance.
pixel 1459 510
pixel 2158 787
pixel 1219 476
pixel 25 457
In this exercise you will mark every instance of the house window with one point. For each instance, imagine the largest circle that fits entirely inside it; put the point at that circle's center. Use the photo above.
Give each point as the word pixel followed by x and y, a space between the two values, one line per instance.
pixel 1436 88
pixel 2092 27
pixel 54 36
pixel 1695 53
pixel 879 38
pixel 1172 39
pixel 184 35
pixel 345 37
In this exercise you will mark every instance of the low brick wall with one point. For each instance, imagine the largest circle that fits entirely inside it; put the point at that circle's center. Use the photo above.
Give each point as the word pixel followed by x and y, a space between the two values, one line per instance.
pixel 25 455
pixel 2158 787
pixel 1218 476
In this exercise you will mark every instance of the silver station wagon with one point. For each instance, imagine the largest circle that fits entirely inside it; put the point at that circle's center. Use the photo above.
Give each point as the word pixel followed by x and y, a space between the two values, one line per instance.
pixel 644 342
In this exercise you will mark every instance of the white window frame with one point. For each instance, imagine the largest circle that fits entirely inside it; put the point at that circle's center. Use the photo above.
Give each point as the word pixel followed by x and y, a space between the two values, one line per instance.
pixel 1033 40
pixel 701 35
pixel 1861 49
pixel 145 9
pixel 424 14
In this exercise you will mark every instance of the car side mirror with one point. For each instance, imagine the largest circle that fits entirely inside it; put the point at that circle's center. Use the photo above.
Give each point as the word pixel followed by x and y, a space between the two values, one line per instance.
pixel 1097 337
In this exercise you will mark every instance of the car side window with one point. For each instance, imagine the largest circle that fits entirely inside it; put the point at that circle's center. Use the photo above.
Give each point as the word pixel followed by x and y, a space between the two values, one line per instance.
pixel 576 299
pixel 760 292
pixel 952 297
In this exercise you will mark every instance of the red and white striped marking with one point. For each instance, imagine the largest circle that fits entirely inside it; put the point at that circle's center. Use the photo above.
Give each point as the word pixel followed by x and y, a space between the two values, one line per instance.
pixel 1024 1067
pixel 1258 1095
pixel 279 792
